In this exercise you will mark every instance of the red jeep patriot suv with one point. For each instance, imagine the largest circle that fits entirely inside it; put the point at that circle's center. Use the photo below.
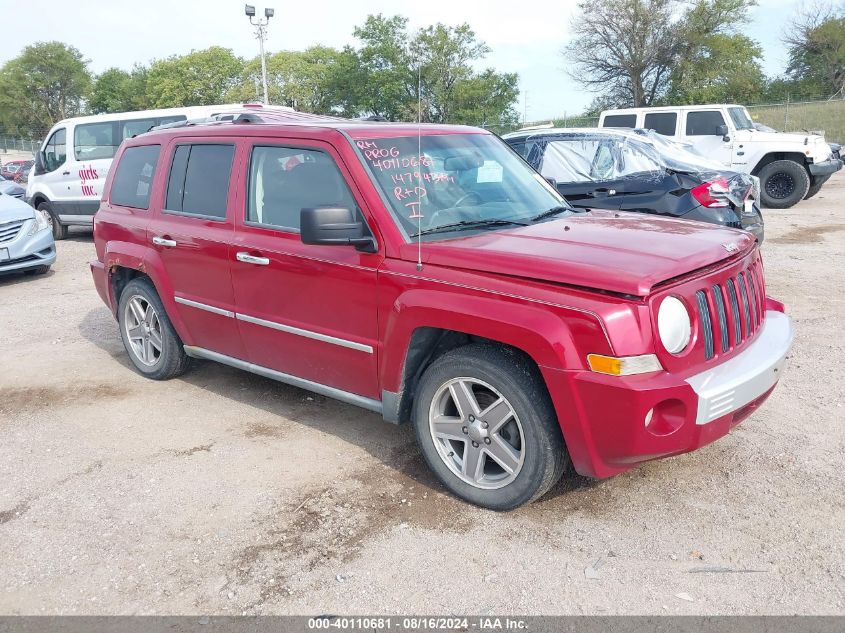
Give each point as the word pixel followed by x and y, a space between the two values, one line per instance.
pixel 430 275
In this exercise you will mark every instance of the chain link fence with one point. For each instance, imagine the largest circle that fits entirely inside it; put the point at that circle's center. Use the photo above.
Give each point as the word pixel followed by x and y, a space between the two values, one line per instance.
pixel 14 145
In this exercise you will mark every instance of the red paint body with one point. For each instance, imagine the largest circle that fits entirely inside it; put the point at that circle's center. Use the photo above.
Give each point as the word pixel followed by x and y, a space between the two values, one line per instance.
pixel 558 291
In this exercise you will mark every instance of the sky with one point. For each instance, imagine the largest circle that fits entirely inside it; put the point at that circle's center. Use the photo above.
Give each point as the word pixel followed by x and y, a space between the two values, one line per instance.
pixel 120 33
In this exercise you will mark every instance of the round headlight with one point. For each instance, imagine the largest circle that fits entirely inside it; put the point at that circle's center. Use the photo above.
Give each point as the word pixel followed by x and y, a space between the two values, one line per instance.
pixel 673 325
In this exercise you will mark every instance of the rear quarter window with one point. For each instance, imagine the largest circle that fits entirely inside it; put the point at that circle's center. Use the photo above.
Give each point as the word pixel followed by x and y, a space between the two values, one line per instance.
pixel 620 120
pixel 133 179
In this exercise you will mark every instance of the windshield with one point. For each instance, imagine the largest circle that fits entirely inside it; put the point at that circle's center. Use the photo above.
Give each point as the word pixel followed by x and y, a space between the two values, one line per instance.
pixel 741 119
pixel 473 180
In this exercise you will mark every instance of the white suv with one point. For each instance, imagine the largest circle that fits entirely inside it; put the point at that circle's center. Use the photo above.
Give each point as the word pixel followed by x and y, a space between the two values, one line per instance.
pixel 791 167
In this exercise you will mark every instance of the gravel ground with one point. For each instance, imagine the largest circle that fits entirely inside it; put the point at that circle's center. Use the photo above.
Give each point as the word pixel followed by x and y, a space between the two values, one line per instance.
pixel 221 492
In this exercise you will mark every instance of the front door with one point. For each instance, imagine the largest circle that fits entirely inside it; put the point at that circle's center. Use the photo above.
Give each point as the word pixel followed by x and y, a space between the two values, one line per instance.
pixel 303 310
pixel 701 129
pixel 192 234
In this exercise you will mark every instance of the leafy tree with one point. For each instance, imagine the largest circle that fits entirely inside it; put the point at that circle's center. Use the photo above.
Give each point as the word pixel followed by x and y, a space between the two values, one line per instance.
pixel 722 68
pixel 645 52
pixel 399 73
pixel 299 79
pixel 816 41
pixel 47 82
pixel 625 48
pixel 116 90
pixel 198 78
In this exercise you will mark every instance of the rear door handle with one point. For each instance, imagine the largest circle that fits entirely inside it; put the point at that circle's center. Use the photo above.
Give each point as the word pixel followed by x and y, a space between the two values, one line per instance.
pixel 163 241
pixel 252 259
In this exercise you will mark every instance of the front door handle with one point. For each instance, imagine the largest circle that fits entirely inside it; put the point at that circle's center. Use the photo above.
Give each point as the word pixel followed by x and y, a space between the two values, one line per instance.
pixel 163 241
pixel 252 259
pixel 65 173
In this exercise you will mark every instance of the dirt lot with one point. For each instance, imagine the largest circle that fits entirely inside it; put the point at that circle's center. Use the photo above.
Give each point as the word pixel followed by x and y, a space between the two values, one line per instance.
pixel 222 492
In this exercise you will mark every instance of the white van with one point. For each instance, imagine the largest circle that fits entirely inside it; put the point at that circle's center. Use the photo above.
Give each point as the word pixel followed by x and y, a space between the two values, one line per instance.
pixel 791 167
pixel 70 169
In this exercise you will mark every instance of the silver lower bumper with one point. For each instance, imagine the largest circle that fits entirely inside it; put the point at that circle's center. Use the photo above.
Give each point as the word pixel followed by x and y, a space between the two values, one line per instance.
pixel 747 376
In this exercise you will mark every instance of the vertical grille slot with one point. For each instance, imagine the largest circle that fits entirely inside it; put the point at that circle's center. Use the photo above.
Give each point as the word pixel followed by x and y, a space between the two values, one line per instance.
pixel 706 323
pixel 734 311
pixel 721 317
pixel 755 311
pixel 746 312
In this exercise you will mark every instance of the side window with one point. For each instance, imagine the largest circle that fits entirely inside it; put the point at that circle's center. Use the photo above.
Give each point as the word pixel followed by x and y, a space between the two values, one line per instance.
pixel 134 176
pixel 620 120
pixel 92 141
pixel 662 122
pixel 285 180
pixel 128 129
pixel 704 123
pixel 199 180
pixel 55 152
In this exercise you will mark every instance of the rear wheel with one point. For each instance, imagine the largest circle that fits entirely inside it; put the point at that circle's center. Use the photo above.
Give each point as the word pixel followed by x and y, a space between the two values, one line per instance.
pixel 487 427
pixel 148 336
pixel 59 230
pixel 783 184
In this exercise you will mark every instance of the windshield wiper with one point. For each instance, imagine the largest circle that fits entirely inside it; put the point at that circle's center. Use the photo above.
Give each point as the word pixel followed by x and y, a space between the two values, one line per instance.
pixel 469 224
pixel 548 213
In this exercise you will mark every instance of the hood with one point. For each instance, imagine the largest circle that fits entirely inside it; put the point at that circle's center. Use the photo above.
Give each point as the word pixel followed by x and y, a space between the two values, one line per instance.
pixel 779 137
pixel 627 253
pixel 12 209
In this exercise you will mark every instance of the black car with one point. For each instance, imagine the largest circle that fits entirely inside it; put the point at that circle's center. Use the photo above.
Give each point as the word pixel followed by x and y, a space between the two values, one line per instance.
pixel 639 170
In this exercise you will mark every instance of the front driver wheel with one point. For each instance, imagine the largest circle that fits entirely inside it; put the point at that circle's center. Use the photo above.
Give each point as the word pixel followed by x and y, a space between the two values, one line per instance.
pixel 148 336
pixel 59 230
pixel 487 427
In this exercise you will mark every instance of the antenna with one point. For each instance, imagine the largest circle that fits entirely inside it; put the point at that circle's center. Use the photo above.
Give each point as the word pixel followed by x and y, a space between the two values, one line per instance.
pixel 419 166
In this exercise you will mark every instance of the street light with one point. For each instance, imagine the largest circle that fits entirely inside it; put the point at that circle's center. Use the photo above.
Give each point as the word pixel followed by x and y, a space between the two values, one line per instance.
pixel 260 34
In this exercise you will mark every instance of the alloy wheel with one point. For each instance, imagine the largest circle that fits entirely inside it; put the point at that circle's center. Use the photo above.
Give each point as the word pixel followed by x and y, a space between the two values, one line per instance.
pixel 477 433
pixel 143 330
pixel 780 185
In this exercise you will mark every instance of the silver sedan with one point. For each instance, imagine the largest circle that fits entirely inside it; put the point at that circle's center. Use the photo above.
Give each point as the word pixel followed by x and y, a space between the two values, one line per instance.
pixel 26 241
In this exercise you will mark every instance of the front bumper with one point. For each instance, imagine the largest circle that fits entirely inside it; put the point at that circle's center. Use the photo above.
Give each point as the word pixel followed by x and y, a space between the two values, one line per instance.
pixel 27 251
pixel 825 167
pixel 613 423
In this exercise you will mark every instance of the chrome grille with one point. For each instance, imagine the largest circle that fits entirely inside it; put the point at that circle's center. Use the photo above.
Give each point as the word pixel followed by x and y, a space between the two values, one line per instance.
pixel 10 230
pixel 729 313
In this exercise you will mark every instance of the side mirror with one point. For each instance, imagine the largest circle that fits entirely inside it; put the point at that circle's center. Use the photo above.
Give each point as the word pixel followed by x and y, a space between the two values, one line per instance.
pixel 39 163
pixel 334 226
pixel 722 131
pixel 551 181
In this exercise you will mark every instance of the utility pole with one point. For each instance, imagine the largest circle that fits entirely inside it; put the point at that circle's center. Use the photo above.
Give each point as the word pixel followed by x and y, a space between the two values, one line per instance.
pixel 260 34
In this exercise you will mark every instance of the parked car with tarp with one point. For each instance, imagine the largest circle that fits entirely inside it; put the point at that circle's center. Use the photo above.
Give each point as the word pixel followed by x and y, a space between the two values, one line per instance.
pixel 639 170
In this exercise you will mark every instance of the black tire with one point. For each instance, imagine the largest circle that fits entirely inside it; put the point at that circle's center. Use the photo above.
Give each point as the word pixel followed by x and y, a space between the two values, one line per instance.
pixel 783 184
pixel 38 270
pixel 59 230
pixel 518 381
pixel 171 360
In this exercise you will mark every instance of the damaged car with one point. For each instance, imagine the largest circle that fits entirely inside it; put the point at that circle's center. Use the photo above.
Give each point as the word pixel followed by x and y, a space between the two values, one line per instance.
pixel 638 170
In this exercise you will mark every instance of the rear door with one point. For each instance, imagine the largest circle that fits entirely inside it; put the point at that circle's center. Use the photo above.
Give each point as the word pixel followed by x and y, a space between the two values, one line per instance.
pixel 192 235
pixel 308 311
pixel 584 168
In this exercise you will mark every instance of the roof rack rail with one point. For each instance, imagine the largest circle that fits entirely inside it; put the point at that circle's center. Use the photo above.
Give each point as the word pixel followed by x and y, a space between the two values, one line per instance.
pixel 244 117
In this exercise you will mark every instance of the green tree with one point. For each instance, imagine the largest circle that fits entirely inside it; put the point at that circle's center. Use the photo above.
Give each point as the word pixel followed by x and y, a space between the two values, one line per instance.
pixel 199 78
pixel 644 52
pixel 299 79
pixel 47 82
pixel 116 90
pixel 816 41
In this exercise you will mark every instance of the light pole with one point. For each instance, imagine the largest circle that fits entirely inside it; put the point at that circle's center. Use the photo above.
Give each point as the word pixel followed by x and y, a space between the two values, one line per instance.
pixel 261 34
